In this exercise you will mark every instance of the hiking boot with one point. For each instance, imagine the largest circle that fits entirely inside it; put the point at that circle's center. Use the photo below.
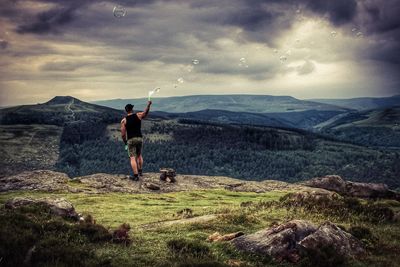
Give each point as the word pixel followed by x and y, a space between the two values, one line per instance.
pixel 133 177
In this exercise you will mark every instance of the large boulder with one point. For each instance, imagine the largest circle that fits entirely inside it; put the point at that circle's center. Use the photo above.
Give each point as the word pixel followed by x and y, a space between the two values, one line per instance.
pixel 329 235
pixel 58 206
pixel 288 241
pixel 352 189
pixel 279 242
pixel 330 182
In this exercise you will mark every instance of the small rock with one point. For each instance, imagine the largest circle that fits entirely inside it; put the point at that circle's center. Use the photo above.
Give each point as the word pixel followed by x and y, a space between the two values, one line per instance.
pixel 217 237
pixel 151 186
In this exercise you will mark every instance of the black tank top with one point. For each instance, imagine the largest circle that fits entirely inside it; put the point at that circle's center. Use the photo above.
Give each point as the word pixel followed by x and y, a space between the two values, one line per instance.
pixel 133 126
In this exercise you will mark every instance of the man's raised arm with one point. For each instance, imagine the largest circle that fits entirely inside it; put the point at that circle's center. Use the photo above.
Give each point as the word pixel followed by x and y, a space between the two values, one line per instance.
pixel 123 131
pixel 144 114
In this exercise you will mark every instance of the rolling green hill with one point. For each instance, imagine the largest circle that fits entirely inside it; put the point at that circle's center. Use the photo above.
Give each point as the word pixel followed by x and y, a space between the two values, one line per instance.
pixel 236 103
pixel 362 103
pixel 377 127
pixel 58 111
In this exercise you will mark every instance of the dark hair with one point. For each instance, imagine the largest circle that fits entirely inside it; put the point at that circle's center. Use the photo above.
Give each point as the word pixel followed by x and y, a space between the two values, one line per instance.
pixel 129 108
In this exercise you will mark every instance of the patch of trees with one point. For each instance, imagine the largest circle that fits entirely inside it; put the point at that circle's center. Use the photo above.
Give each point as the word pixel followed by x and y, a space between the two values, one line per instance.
pixel 368 136
pixel 53 118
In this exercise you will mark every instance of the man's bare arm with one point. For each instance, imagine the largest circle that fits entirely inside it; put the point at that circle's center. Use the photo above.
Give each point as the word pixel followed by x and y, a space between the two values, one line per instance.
pixel 123 131
pixel 144 114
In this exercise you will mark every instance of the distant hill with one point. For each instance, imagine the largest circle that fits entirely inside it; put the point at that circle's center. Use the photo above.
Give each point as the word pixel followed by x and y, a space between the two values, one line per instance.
pixel 235 103
pixel 362 103
pixel 58 111
pixel 379 127
pixel 302 119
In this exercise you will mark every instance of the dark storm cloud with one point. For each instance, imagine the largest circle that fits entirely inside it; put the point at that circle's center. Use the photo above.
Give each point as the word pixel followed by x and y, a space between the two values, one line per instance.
pixel 48 21
pixel 338 11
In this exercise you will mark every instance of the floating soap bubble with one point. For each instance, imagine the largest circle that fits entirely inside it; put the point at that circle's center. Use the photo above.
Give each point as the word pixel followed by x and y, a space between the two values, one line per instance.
pixel 360 34
pixel 298 11
pixel 354 29
pixel 333 33
pixel 275 51
pixel 195 61
pixel 152 92
pixel 175 85
pixel 282 59
pixel 289 52
pixel 119 11
pixel 243 62
pixel 189 68
pixel 180 80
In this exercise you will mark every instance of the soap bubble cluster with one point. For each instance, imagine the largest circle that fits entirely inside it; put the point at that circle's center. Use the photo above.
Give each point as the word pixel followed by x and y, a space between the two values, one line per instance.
pixel 180 80
pixel 333 33
pixel 359 34
pixel 195 61
pixel 283 59
pixel 119 11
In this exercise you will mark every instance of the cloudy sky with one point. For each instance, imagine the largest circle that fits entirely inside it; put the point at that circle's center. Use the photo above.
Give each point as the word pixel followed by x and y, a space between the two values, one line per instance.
pixel 304 48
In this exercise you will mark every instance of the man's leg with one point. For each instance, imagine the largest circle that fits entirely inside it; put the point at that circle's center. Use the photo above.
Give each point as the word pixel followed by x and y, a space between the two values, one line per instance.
pixel 134 166
pixel 140 164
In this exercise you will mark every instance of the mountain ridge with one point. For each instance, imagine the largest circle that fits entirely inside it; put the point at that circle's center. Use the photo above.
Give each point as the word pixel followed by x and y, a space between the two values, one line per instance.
pixel 236 103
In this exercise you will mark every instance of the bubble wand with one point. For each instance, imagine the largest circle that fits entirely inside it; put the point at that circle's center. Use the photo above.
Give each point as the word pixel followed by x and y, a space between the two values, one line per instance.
pixel 152 92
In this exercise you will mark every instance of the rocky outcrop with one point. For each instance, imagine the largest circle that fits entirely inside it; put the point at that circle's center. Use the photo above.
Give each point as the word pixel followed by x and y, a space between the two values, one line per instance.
pixel 288 241
pixel 329 235
pixel 353 189
pixel 103 183
pixel 42 180
pixel 57 206
pixel 316 194
pixel 278 242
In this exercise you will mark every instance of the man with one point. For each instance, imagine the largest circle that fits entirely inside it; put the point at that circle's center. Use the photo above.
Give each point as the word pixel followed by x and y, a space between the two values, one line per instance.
pixel 131 131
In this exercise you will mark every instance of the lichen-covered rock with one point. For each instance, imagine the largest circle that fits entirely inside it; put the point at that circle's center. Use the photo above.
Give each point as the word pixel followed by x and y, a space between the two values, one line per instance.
pixel 287 241
pixel 330 235
pixel 58 206
pixel 42 180
pixel 279 242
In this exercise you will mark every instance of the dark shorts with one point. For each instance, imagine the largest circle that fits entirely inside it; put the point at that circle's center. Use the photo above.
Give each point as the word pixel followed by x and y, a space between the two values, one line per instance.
pixel 135 146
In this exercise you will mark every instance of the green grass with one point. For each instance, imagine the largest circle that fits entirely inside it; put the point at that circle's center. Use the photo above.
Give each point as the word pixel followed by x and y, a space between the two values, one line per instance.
pixel 186 243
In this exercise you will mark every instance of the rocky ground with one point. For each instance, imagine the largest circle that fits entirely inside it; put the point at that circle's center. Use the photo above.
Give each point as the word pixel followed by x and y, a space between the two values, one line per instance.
pixel 45 180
